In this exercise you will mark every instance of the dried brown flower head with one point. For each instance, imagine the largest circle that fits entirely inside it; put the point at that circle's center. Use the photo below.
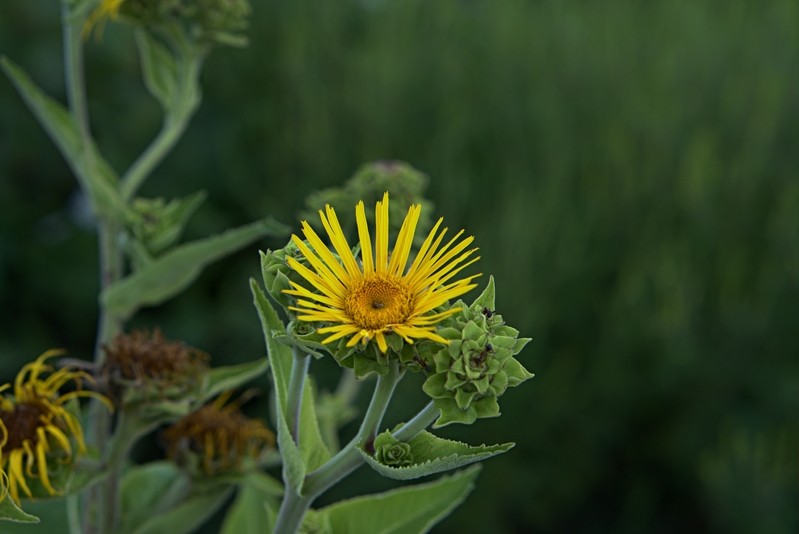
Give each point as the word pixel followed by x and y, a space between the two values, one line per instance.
pixel 140 359
pixel 218 437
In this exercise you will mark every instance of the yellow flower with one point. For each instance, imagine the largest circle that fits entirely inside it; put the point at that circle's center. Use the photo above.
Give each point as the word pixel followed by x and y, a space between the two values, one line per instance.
pixel 108 9
pixel 35 424
pixel 380 294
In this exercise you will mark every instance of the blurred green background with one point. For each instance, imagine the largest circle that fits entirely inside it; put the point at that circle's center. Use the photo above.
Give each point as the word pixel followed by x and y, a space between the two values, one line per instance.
pixel 630 171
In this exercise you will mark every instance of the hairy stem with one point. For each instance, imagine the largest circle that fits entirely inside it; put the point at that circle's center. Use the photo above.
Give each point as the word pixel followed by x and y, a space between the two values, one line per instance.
pixel 72 503
pixel 294 506
pixel 175 122
pixel 299 370
pixel 111 269
pixel 144 165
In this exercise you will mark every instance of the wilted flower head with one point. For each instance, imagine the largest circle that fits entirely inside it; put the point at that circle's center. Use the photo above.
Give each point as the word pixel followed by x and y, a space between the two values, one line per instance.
pixel 376 295
pixel 218 437
pixel 152 366
pixel 36 426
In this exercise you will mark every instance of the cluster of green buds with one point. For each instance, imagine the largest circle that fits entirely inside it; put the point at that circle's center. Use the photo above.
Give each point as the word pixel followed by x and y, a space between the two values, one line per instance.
pixel 468 375
pixel 157 224
pixel 404 183
pixel 211 21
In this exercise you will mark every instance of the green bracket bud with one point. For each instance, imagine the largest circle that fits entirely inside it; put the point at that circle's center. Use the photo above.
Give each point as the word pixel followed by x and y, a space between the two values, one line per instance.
pixel 477 366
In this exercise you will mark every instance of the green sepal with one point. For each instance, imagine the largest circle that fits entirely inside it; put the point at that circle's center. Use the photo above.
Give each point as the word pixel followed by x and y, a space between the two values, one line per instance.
pixel 9 511
pixel 435 387
pixel 452 413
pixel 486 407
pixel 277 274
pixel 425 454
pixel 516 372
pixel 471 331
pixel 464 398
pixel 174 271
pixel 369 360
pixel 407 510
pixel 305 337
pixel 92 171
pixel 487 297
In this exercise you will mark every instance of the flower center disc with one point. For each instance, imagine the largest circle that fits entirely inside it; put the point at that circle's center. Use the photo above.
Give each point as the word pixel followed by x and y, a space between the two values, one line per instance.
pixel 22 423
pixel 378 300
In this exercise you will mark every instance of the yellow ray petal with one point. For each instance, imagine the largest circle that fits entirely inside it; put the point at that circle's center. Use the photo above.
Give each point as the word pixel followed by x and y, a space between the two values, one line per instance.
pixel 365 238
pixel 402 248
pixel 381 235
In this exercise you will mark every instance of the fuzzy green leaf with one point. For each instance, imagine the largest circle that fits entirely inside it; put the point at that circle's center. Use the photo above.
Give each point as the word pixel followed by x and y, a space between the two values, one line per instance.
pixel 165 277
pixel 188 515
pixel 312 451
pixel 430 454
pixel 253 510
pixel 232 376
pixel 158 497
pixel 280 358
pixel 9 511
pixel 158 68
pixel 408 510
pixel 148 490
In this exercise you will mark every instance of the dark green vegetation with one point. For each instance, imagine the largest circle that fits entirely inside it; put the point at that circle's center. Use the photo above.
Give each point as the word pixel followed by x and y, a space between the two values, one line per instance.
pixel 630 171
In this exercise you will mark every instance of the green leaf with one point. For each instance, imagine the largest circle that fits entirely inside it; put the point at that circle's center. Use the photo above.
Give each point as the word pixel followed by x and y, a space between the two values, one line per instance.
pixel 253 511
pixel 408 510
pixel 430 454
pixel 168 275
pixel 312 451
pixel 487 297
pixel 158 497
pixel 94 174
pixel 188 515
pixel 280 357
pixel 9 511
pixel 222 379
pixel 150 489
pixel 158 68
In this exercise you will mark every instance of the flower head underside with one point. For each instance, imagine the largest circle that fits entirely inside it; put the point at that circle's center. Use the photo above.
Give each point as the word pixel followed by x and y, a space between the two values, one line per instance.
pixel 377 293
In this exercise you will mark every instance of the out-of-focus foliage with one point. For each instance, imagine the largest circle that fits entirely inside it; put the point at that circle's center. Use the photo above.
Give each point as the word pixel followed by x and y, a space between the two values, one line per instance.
pixel 631 173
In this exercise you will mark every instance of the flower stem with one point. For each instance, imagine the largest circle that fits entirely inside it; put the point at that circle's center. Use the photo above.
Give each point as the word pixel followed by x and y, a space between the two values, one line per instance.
pixel 420 421
pixel 294 506
pixel 73 68
pixel 175 122
pixel 73 513
pixel 299 370
pixel 144 165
